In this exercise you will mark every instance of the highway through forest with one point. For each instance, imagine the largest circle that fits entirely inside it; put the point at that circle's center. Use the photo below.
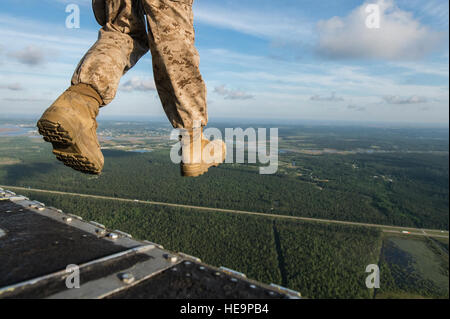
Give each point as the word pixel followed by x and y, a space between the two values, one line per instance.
pixel 410 231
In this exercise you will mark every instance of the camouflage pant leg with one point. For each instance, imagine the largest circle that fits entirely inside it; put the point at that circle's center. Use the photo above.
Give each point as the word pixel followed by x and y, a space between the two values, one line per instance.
pixel 176 61
pixel 121 43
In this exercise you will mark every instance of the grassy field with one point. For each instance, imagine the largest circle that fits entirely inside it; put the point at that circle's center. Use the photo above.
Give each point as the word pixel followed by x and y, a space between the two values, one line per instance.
pixel 415 267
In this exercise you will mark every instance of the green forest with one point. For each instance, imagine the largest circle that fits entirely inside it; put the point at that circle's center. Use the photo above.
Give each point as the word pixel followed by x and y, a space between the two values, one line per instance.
pixel 399 189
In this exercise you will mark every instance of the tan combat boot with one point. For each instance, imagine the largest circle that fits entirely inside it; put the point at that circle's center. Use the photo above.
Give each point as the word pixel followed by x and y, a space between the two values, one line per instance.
pixel 70 125
pixel 199 154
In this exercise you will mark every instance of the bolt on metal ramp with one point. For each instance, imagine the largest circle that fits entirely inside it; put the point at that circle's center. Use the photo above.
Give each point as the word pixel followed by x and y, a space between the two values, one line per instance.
pixel 42 249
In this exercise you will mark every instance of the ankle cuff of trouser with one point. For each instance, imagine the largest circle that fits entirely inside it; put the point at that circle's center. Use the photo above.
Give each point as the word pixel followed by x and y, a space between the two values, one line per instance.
pixel 87 90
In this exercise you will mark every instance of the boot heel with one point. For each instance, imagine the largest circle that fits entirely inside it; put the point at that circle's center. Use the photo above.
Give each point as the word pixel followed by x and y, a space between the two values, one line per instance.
pixel 54 133
pixel 193 170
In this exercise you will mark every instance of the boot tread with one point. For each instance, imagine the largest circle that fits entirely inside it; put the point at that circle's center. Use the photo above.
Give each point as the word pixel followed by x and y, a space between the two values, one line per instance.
pixel 61 141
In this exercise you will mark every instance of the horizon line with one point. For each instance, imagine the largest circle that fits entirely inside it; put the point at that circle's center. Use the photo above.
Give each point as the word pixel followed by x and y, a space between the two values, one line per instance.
pixel 222 119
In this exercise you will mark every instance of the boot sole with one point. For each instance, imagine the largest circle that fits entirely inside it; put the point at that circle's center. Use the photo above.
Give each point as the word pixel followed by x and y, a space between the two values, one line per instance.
pixel 65 148
pixel 194 170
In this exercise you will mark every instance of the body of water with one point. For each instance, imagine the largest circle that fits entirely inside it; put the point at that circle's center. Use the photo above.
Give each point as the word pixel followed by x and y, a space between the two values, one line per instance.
pixel 14 130
pixel 140 151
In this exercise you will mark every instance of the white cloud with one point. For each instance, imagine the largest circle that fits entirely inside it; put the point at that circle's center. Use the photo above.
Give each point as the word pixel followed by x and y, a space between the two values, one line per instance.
pixel 330 98
pixel 435 12
pixel 285 89
pixel 19 32
pixel 395 99
pixel 275 26
pixel 30 55
pixel 411 68
pixel 400 35
pixel 356 108
pixel 260 75
pixel 20 99
pixel 138 84
pixel 12 86
pixel 232 94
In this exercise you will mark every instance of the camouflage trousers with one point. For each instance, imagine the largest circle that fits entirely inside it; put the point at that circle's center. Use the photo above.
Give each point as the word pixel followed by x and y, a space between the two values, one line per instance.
pixel 130 28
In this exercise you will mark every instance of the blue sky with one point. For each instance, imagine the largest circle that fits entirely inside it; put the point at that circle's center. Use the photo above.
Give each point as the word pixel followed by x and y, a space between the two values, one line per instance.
pixel 294 59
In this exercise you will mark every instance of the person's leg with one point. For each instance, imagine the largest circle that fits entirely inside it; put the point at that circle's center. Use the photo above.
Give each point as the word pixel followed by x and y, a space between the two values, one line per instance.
pixel 121 43
pixel 179 83
pixel 69 123
pixel 176 61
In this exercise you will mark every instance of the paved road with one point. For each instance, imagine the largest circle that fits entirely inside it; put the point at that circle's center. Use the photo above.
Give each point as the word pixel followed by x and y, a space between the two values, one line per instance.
pixel 385 228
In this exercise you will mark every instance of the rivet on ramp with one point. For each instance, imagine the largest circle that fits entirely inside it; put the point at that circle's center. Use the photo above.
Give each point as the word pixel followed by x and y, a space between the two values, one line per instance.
pixel 113 236
pixel 126 277
pixel 102 231
pixel 67 219
pixel 172 259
